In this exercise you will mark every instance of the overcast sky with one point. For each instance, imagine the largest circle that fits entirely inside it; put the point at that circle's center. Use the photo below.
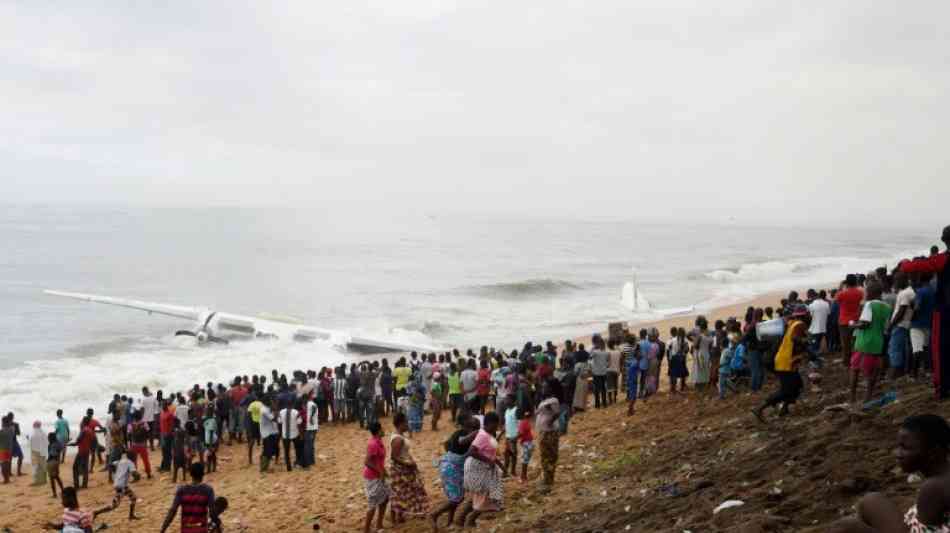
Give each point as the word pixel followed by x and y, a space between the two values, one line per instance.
pixel 701 109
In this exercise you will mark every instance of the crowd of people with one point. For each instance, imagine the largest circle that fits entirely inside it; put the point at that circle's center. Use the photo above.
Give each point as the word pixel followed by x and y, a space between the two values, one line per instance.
pixel 886 324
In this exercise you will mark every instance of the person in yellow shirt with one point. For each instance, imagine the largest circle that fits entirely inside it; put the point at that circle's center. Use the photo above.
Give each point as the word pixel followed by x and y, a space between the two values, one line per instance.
pixel 254 432
pixel 790 353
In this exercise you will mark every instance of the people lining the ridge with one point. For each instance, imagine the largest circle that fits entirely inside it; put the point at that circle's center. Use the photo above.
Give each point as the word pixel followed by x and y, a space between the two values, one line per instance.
pixel 488 391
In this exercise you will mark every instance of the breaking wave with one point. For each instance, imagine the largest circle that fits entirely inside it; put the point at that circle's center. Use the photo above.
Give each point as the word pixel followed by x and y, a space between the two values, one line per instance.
pixel 524 289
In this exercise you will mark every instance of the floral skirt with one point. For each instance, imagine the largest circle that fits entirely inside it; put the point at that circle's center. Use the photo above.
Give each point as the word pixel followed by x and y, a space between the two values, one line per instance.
pixel 484 482
pixel 408 494
pixel 452 474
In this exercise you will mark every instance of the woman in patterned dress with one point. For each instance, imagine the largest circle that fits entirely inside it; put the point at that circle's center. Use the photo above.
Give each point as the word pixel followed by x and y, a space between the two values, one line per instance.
pixel 452 467
pixel 483 473
pixel 408 494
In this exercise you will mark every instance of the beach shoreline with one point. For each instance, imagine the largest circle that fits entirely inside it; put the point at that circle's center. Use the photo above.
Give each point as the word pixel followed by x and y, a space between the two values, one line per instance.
pixel 339 451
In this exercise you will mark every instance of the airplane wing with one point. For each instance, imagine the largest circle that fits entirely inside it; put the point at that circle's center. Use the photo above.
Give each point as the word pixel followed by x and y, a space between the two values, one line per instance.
pixel 178 311
pixel 247 326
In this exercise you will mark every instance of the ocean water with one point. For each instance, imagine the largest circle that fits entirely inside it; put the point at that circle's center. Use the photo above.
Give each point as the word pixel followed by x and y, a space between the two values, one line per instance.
pixel 449 280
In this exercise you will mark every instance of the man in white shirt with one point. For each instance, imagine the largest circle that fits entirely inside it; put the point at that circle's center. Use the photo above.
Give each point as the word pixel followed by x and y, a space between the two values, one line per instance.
pixel 819 309
pixel 898 347
pixel 268 436
pixel 311 426
pixel 150 414
pixel 289 420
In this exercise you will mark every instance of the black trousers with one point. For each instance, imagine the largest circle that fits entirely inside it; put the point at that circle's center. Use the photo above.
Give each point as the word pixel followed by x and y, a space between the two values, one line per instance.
pixel 600 391
pixel 288 444
pixel 790 388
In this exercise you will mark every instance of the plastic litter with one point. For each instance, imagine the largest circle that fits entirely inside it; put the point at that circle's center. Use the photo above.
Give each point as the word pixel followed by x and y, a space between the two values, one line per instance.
pixel 728 504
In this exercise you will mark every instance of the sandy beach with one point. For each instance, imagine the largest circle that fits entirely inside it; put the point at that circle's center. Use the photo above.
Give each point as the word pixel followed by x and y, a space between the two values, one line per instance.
pixel 330 494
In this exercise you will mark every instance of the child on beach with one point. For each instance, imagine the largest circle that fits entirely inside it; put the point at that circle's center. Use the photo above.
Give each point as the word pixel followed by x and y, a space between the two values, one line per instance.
pixel 54 452
pixel 374 478
pixel 511 440
pixel 868 356
pixel 211 438
pixel 123 470
pixel 195 442
pixel 526 439
pixel 75 519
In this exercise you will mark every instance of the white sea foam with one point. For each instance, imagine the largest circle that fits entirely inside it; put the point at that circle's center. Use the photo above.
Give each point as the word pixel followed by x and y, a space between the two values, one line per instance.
pixel 36 389
pixel 752 279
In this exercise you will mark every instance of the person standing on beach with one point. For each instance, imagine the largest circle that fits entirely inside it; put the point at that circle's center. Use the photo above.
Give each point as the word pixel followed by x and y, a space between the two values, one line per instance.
pixel 38 450
pixel 289 430
pixel 237 392
pixel 54 449
pixel 408 493
pixel 613 372
pixel 849 300
pixel 869 347
pixel 83 445
pixel 750 338
pixel 311 426
pixel 817 331
pixel 702 344
pixel 149 412
pixel 924 301
pixel 139 441
pixel 166 436
pixel 940 328
pixel 269 435
pixel 374 478
pixel 7 438
pixel 600 363
pixel 61 427
pixel 678 349
pixel 899 326
pixel 549 435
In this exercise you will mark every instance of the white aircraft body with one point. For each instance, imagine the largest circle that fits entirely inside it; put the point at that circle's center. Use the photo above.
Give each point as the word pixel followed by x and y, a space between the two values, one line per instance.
pixel 634 300
pixel 220 327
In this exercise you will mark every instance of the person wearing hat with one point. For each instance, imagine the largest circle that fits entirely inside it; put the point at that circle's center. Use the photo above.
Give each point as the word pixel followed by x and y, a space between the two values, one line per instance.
pixel 938 264
pixel 793 347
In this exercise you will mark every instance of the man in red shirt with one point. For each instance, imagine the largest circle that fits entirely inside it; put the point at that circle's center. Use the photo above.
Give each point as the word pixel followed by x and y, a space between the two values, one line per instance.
pixel 849 304
pixel 83 445
pixel 237 392
pixel 166 431
pixel 938 264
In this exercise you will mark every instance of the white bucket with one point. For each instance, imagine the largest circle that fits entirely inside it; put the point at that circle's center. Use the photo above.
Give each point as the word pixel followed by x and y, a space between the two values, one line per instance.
pixel 770 329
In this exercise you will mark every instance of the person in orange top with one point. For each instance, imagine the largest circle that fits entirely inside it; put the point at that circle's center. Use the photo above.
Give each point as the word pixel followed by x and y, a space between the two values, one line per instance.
pixel 794 346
